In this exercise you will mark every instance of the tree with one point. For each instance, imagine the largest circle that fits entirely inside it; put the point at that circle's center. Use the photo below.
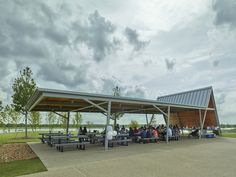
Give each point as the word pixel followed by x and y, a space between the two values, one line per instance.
pixel 152 121
pixel 1 117
pixel 23 87
pixel 63 120
pixel 117 115
pixel 77 120
pixel 14 117
pixel 1 107
pixel 7 117
pixel 134 124
pixel 34 120
pixel 51 120
pixel 89 124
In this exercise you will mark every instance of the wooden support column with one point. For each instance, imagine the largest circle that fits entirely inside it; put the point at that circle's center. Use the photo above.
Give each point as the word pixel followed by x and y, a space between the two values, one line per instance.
pixel 107 123
pixel 68 123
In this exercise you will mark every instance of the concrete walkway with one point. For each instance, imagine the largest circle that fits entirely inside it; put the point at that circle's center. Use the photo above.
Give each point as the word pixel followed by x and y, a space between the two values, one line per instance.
pixel 184 158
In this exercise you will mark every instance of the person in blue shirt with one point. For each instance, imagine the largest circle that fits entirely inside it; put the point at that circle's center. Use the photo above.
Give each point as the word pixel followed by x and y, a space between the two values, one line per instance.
pixel 144 133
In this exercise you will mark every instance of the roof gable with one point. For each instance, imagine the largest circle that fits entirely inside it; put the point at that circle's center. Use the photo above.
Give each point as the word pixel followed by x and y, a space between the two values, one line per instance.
pixel 199 97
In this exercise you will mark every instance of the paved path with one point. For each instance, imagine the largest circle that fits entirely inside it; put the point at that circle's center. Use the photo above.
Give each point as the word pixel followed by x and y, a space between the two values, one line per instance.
pixel 185 158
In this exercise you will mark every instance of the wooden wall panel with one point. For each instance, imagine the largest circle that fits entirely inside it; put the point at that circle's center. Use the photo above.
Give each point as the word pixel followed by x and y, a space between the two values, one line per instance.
pixel 191 119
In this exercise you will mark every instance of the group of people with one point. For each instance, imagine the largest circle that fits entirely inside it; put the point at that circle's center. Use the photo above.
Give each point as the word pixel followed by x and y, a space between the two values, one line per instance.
pixel 82 131
pixel 159 131
pixel 150 131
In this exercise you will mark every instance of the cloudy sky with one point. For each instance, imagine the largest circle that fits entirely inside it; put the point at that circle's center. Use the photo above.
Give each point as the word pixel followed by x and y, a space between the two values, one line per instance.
pixel 148 48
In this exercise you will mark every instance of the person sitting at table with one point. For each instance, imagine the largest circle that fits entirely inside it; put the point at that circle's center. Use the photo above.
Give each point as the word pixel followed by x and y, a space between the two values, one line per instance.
pixel 131 132
pixel 144 133
pixel 135 130
pixel 80 132
pixel 117 128
pixel 84 131
pixel 122 131
pixel 154 133
pixel 149 133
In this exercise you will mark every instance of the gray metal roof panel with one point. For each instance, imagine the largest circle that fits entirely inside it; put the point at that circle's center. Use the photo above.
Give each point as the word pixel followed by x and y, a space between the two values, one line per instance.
pixel 199 97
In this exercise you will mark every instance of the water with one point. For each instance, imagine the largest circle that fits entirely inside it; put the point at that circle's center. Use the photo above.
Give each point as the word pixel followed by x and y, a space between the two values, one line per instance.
pixel 12 130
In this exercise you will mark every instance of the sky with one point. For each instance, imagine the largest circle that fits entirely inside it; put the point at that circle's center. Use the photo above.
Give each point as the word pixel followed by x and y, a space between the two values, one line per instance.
pixel 148 48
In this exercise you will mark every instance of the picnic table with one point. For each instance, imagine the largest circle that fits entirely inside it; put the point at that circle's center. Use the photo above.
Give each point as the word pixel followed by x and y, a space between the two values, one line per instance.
pixel 120 139
pixel 65 141
pixel 46 137
pixel 67 138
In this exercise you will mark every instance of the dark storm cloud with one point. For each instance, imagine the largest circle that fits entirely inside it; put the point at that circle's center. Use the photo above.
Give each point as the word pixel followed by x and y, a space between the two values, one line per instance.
pixel 63 73
pixel 216 63
pixel 3 70
pixel 170 63
pixel 225 12
pixel 134 40
pixel 97 34
pixel 56 36
pixel 27 29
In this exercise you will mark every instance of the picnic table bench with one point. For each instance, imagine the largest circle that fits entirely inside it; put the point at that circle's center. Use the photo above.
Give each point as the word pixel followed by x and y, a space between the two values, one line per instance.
pixel 118 141
pixel 65 139
pixel 147 140
pixel 77 144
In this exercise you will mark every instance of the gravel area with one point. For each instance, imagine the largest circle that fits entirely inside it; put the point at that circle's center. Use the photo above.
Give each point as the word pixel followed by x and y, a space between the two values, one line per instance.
pixel 16 151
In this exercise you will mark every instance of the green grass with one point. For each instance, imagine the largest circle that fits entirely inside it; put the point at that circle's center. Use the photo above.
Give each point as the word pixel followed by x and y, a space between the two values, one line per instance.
pixel 18 137
pixel 21 167
pixel 229 135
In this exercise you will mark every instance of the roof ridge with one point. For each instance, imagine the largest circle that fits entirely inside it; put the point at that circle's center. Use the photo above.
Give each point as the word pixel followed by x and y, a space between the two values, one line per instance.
pixel 194 90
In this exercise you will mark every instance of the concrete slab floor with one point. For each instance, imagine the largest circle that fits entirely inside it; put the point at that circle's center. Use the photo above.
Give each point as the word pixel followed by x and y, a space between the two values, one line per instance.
pixel 184 158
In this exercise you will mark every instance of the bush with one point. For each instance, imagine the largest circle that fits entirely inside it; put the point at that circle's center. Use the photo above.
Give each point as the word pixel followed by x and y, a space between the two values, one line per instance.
pixel 134 124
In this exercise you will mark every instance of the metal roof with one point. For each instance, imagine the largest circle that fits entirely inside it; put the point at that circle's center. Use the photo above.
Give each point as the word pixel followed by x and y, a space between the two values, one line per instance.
pixel 199 97
pixel 59 100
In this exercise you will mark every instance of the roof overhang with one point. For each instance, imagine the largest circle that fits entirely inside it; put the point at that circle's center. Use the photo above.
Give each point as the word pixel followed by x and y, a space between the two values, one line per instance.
pixel 70 101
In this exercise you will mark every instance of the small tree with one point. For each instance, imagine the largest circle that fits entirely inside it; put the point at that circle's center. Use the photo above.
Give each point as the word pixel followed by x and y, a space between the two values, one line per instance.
pixel 1 116
pixel 23 87
pixel 7 117
pixel 89 124
pixel 63 120
pixel 1 107
pixel 14 117
pixel 77 120
pixel 117 115
pixel 34 120
pixel 152 120
pixel 4 117
pixel 134 124
pixel 51 120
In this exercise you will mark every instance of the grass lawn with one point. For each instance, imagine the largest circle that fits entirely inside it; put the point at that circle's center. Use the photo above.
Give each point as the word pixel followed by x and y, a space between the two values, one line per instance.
pixel 229 135
pixel 18 137
pixel 21 167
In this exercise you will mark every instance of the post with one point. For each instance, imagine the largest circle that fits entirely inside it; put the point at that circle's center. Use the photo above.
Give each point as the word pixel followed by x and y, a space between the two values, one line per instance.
pixel 26 117
pixel 200 117
pixel 107 123
pixel 203 121
pixel 167 126
pixel 146 119
pixel 68 123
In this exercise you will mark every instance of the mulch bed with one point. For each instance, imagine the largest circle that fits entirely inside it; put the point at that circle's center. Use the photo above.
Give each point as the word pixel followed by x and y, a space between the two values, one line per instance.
pixel 16 151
